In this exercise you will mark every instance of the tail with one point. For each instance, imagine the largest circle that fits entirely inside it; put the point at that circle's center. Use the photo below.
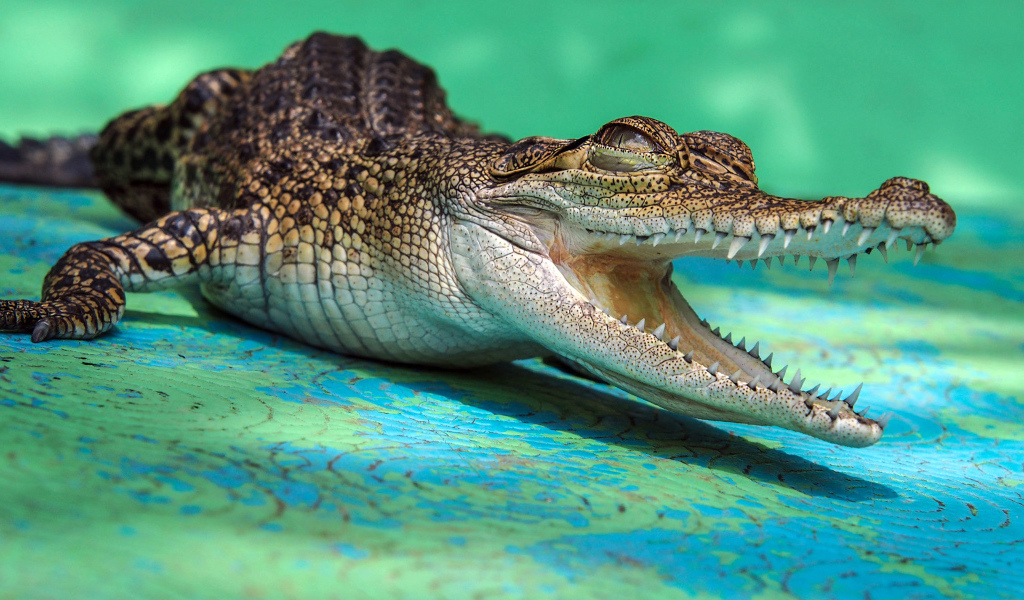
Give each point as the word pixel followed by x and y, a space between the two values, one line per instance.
pixel 53 162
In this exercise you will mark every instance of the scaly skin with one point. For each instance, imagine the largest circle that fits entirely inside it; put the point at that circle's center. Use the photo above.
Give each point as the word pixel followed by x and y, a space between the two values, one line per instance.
pixel 332 196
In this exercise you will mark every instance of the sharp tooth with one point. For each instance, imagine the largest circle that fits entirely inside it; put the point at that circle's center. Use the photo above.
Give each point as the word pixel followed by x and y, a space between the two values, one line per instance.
pixel 607 311
pixel 719 236
pixel 753 351
pixel 713 369
pixel 794 386
pixel 679 234
pixel 920 253
pixel 697 234
pixel 765 240
pixel 852 398
pixel 775 385
pixel 796 260
pixel 735 377
pixel 656 239
pixel 728 337
pixel 717 331
pixel 832 266
pixel 623 320
pixel 892 238
pixel 768 360
pixel 812 260
pixel 852 260
pixel 624 238
pixel 659 332
pixel 753 384
pixel 704 322
pixel 846 228
pixel 910 244
pixel 782 260
pixel 768 263
pixel 836 398
pixel 640 324
pixel 883 251
pixel 788 238
pixel 737 243
pixel 883 421
pixel 864 235
pixel 640 239
pixel 753 264
pixel 826 225
pixel 810 231
pixel 689 357
pixel 782 372
pixel 824 395
pixel 864 412
pixel 610 235
pixel 834 411
pixel 742 344
pixel 674 343
pixel 814 389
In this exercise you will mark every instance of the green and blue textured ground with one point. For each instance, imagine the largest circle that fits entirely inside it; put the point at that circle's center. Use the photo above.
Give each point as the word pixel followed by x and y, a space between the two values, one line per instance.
pixel 187 455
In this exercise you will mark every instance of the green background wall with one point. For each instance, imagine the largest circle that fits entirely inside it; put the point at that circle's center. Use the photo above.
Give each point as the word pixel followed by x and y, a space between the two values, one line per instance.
pixel 833 97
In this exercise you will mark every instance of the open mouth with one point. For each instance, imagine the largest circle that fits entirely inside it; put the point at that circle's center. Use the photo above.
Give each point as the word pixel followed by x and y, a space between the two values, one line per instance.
pixel 675 359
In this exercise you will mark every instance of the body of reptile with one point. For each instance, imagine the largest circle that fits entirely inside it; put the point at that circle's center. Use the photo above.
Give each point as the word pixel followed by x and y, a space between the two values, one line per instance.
pixel 332 196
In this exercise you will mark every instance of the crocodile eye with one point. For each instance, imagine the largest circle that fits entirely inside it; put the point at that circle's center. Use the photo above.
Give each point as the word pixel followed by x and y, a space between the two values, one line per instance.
pixel 626 138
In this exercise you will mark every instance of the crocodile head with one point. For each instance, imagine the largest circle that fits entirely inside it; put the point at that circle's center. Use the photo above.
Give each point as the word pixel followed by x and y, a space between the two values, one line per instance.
pixel 573 242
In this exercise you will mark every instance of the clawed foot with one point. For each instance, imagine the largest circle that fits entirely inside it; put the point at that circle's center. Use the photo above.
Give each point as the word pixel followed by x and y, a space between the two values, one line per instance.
pixel 62 319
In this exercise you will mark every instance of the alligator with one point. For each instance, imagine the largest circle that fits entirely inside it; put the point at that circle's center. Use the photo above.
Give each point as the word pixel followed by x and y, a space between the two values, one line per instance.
pixel 332 196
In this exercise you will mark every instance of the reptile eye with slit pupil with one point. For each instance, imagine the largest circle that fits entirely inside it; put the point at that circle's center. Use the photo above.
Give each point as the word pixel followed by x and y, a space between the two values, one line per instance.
pixel 626 138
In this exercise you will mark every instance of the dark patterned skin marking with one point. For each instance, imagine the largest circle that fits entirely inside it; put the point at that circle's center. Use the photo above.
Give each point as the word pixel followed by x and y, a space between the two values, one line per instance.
pixel 333 196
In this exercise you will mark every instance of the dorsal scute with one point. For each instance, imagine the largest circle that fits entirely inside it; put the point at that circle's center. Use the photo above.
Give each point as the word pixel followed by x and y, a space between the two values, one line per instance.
pixel 346 91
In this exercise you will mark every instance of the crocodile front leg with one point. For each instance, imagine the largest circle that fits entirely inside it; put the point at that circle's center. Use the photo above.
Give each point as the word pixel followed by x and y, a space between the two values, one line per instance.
pixel 83 294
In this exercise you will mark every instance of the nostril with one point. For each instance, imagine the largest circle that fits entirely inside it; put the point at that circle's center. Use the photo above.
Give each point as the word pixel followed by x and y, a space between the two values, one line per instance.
pixel 908 183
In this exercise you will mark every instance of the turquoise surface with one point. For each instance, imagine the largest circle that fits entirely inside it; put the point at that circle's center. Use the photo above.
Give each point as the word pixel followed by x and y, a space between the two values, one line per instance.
pixel 187 455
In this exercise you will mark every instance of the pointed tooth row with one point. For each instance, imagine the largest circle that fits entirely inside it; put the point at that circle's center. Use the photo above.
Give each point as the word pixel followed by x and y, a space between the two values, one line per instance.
pixel 738 241
pixel 833 264
pixel 795 385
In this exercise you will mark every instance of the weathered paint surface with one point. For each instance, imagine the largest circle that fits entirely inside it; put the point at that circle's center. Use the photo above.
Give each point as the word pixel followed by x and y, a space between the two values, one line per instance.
pixel 188 455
